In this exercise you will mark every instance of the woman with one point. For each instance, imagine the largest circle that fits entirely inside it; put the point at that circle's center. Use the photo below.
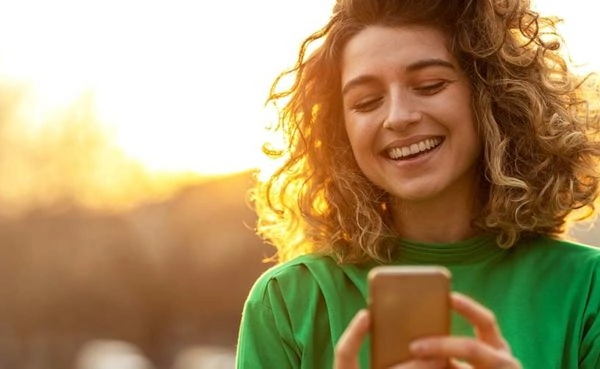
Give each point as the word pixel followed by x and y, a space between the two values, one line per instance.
pixel 442 132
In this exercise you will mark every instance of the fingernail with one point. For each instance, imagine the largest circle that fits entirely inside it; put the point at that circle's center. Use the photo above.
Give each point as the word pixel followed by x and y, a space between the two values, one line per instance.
pixel 418 347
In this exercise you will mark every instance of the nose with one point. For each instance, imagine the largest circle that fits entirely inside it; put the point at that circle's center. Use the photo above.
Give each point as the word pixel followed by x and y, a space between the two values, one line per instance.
pixel 402 112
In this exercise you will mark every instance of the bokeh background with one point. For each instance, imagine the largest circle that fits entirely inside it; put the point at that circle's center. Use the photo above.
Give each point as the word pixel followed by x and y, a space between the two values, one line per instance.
pixel 130 133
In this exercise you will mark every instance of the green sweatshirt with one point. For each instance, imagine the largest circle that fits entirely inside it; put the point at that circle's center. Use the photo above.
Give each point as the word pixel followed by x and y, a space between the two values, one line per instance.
pixel 545 294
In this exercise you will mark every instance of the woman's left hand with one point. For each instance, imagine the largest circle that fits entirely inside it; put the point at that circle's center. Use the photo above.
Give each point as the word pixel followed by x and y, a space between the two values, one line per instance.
pixel 488 350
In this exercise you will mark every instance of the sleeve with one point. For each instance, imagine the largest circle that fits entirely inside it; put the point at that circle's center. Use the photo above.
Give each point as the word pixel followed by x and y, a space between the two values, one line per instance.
pixel 589 351
pixel 266 337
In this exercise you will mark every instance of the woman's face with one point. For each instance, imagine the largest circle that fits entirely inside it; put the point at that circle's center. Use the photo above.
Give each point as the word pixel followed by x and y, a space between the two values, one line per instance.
pixel 408 115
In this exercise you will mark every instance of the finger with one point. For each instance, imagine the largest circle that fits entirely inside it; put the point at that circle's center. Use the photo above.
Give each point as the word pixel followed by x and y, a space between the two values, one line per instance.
pixel 348 346
pixel 483 319
pixel 457 364
pixel 477 353
pixel 422 364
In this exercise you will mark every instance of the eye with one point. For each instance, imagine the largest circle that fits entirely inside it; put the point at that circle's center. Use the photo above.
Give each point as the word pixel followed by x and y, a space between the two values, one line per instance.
pixel 367 105
pixel 431 88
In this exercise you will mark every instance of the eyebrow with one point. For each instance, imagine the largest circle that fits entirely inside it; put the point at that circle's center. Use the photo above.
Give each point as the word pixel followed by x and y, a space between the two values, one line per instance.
pixel 425 63
pixel 421 64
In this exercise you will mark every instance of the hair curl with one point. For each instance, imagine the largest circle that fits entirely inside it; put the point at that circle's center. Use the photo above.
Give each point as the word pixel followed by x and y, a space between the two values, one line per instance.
pixel 539 133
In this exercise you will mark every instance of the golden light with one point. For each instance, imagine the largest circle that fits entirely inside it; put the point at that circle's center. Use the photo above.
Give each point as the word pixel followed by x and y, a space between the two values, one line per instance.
pixel 579 26
pixel 180 84
pixel 176 87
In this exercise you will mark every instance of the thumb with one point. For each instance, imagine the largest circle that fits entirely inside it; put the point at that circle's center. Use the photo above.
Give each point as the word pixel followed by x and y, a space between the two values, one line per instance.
pixel 348 346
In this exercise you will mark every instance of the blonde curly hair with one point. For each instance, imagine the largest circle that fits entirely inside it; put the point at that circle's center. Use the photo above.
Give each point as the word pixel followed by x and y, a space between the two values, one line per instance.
pixel 536 123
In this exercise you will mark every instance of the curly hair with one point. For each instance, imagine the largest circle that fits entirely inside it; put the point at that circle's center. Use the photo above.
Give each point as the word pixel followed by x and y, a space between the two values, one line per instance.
pixel 538 130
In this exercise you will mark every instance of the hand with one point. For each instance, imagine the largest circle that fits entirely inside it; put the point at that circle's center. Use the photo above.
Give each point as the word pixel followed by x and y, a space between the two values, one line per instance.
pixel 348 346
pixel 488 350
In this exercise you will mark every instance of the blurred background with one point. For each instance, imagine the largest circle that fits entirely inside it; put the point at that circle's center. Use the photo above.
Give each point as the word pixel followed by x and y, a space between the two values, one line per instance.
pixel 129 136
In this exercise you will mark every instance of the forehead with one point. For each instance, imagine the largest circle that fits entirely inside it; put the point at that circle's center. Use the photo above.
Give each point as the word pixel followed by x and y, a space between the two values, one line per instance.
pixel 379 48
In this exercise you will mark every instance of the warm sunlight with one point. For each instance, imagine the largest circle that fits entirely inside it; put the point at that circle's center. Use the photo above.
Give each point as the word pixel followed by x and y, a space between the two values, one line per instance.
pixel 579 28
pixel 179 84
pixel 121 101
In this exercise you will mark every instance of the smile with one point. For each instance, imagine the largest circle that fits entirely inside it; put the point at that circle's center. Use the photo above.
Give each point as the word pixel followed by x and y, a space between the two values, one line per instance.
pixel 415 149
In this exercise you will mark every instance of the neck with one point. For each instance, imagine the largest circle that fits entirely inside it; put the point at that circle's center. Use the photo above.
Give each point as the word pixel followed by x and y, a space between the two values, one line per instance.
pixel 445 220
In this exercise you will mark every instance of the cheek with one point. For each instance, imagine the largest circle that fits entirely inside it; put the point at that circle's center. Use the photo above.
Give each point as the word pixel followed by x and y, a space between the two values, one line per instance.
pixel 358 145
pixel 363 154
pixel 470 142
pixel 360 132
pixel 356 140
pixel 351 131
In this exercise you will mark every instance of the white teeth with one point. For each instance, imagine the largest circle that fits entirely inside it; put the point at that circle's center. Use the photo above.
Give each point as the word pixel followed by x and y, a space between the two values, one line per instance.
pixel 413 149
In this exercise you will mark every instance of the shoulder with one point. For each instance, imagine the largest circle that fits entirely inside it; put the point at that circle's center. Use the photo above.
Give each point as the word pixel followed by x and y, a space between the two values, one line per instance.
pixel 560 246
pixel 299 266
pixel 559 254
pixel 302 272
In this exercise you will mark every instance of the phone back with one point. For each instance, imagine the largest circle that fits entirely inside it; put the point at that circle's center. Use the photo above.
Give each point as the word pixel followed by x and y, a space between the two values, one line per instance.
pixel 406 303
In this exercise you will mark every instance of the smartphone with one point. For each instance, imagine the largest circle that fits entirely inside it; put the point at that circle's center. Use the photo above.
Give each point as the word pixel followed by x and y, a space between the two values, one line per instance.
pixel 406 303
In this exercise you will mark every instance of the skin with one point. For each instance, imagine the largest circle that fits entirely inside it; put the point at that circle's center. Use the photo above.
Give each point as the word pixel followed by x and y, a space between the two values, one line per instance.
pixel 402 86
pixel 488 350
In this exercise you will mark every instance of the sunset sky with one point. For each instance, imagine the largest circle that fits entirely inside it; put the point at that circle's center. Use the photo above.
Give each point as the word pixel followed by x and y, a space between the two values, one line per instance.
pixel 180 84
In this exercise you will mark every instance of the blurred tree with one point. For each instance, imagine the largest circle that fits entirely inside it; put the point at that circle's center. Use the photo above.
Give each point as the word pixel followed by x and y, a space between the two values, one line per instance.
pixel 69 156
